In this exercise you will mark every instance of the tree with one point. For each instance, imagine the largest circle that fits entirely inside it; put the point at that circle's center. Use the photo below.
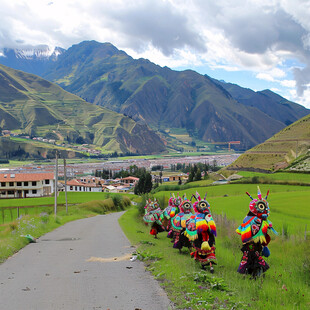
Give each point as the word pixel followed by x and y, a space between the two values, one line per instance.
pixel 179 166
pixel 144 184
pixel 80 140
pixel 138 190
pixel 148 183
pixel 191 176
pixel 198 175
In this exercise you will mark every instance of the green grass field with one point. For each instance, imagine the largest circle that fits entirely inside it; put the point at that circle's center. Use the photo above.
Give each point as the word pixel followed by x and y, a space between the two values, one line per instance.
pixel 279 176
pixel 284 286
pixel 37 221
pixel 34 206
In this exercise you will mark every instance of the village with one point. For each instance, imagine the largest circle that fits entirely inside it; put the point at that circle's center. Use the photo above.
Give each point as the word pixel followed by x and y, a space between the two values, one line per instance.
pixel 39 180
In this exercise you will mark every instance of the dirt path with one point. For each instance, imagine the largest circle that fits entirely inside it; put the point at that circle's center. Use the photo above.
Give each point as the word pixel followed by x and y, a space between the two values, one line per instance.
pixel 82 265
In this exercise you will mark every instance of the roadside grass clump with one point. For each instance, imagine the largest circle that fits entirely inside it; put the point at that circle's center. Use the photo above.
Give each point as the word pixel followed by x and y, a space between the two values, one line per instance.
pixel 13 225
pixel 147 255
pixel 206 281
pixel 113 203
pixel 45 217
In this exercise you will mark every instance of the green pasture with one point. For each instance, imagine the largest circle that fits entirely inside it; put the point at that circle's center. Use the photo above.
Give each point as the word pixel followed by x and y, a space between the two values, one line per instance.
pixel 284 286
pixel 289 205
pixel 73 198
pixel 279 176
pixel 34 206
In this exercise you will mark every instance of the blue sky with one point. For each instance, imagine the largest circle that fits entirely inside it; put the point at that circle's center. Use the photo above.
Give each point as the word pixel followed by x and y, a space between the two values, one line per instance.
pixel 257 44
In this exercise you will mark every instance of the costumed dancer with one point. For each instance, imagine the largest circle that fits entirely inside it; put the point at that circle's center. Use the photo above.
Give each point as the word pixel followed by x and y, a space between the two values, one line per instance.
pixel 255 237
pixel 201 230
pixel 153 216
pixel 178 224
pixel 170 212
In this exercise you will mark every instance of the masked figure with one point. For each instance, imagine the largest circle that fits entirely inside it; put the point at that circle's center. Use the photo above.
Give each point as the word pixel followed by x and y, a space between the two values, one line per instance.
pixel 178 224
pixel 201 230
pixel 170 212
pixel 152 216
pixel 255 238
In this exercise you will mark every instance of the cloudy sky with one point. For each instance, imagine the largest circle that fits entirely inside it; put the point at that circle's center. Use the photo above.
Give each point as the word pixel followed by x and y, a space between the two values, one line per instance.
pixel 257 44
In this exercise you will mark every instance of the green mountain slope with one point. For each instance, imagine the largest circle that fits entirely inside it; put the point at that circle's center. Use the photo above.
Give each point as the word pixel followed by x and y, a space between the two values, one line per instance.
pixel 38 108
pixel 267 101
pixel 290 148
pixel 166 99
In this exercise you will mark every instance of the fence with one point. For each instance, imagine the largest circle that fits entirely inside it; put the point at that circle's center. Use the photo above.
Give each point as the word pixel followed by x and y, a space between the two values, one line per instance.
pixel 10 214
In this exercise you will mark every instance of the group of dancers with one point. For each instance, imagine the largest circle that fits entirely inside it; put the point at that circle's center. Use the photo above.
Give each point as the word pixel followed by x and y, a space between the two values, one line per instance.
pixel 190 224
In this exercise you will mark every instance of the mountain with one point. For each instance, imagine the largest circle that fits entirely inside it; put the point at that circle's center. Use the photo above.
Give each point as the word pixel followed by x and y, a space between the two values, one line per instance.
pixel 30 105
pixel 166 99
pixel 267 101
pixel 32 59
pixel 177 104
pixel 288 149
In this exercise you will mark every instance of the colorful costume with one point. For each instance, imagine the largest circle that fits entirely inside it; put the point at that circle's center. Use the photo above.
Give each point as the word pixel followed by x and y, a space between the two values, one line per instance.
pixel 153 216
pixel 179 223
pixel 254 236
pixel 201 230
pixel 170 212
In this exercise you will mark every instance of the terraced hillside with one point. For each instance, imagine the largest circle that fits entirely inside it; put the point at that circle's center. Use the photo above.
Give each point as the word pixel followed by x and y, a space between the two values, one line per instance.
pixel 32 106
pixel 290 148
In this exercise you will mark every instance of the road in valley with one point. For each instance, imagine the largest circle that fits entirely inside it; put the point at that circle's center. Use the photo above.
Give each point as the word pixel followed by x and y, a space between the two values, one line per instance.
pixel 82 265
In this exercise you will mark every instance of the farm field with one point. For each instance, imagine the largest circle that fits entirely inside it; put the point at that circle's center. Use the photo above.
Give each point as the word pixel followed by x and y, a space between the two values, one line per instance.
pixel 279 176
pixel 284 286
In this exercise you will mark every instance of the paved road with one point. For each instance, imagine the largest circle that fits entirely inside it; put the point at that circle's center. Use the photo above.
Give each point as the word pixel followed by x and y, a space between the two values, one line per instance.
pixel 81 265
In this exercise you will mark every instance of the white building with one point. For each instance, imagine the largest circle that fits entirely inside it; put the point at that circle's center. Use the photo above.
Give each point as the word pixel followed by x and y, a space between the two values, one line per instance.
pixel 23 185
pixel 78 186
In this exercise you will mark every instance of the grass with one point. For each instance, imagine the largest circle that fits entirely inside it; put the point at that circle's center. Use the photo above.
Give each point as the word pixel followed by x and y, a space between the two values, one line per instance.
pixel 42 220
pixel 73 198
pixel 285 285
pixel 279 176
pixel 288 204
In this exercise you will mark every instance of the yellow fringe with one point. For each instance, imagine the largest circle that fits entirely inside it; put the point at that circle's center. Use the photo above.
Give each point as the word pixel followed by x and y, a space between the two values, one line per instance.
pixel 260 239
pixel 205 246
pixel 191 238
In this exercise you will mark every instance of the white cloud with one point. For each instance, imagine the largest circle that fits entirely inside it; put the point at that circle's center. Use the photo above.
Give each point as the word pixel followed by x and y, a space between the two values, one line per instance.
pixel 304 100
pixel 288 83
pixel 257 36
pixel 265 76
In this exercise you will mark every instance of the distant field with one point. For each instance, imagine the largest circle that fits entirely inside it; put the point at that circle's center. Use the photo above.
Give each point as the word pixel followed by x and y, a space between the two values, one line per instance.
pixel 281 176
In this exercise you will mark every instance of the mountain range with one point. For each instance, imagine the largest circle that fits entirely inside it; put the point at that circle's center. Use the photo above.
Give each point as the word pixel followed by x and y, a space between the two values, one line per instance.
pixel 172 103
pixel 30 105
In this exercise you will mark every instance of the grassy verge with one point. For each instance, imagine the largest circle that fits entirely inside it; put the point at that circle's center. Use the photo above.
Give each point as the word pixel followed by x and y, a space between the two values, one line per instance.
pixel 285 285
pixel 12 234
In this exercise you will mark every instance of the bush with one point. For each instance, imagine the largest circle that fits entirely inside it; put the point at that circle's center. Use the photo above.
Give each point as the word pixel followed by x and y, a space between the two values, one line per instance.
pixel 142 204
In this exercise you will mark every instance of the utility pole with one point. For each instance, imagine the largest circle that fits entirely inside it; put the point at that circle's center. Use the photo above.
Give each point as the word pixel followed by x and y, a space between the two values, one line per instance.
pixel 56 182
pixel 65 174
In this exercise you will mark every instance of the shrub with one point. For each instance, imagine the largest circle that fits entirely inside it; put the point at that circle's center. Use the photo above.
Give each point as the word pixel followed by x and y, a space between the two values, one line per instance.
pixel 13 225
